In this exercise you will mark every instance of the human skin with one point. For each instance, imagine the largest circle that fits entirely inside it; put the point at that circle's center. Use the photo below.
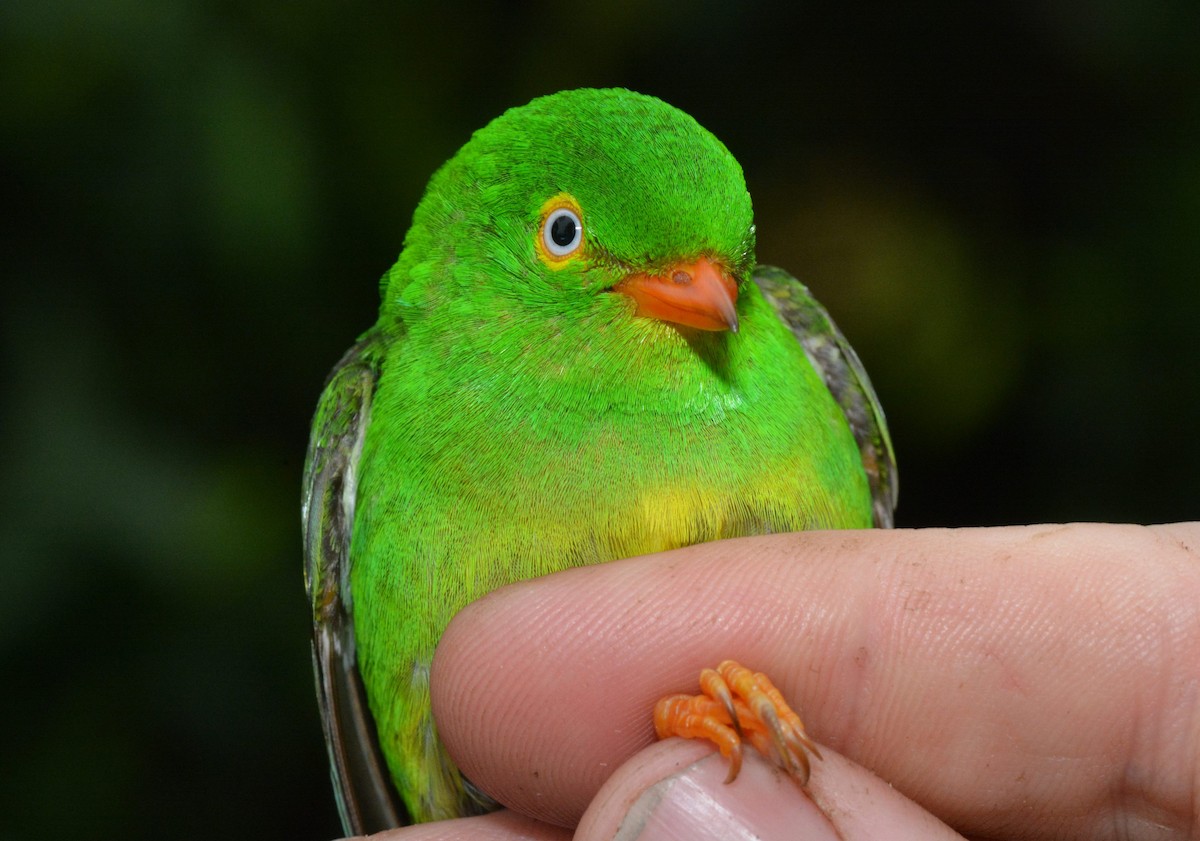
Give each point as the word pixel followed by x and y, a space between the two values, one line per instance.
pixel 1018 682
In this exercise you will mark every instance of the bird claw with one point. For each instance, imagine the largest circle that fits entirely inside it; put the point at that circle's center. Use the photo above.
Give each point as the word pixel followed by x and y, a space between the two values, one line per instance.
pixel 739 705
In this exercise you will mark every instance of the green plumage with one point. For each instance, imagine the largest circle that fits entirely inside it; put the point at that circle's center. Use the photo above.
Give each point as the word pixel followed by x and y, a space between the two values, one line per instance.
pixel 509 416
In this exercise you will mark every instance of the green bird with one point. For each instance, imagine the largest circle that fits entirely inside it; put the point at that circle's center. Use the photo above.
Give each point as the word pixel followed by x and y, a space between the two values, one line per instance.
pixel 576 360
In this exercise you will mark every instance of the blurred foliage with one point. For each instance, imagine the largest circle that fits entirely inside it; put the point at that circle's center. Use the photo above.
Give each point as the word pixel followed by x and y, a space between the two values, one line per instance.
pixel 1000 204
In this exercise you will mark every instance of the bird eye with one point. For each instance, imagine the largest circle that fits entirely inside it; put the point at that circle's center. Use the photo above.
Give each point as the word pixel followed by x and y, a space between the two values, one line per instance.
pixel 562 232
pixel 559 238
pixel 563 229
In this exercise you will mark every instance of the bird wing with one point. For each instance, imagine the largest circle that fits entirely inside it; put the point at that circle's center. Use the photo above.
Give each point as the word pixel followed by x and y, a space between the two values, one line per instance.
pixel 366 798
pixel 845 377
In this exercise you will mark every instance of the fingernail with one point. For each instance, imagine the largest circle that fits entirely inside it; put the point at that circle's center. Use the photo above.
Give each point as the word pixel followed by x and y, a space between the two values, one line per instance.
pixel 762 803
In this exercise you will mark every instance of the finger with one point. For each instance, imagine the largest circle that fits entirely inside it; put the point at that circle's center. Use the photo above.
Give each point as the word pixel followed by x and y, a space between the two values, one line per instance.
pixel 498 826
pixel 990 674
pixel 677 789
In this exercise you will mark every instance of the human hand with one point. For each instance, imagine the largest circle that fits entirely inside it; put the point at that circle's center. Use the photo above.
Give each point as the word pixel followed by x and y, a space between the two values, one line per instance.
pixel 1028 682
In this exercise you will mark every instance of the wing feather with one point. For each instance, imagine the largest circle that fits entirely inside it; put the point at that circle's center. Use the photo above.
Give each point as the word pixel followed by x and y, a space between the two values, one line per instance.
pixel 367 801
pixel 846 379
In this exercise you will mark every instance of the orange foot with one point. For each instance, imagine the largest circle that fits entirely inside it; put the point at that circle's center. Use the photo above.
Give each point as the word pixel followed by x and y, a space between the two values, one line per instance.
pixel 739 704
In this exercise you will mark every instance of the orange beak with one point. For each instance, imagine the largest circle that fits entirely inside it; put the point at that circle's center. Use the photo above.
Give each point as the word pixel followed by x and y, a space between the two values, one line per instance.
pixel 697 294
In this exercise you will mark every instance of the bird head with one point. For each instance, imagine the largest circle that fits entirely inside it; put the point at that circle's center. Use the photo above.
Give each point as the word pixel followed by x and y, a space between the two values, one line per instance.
pixel 599 205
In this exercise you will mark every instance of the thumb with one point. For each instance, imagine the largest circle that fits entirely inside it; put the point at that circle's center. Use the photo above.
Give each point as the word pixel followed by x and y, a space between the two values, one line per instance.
pixel 676 789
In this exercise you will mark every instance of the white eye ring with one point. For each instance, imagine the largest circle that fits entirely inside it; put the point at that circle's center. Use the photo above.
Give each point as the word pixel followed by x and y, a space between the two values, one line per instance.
pixel 562 232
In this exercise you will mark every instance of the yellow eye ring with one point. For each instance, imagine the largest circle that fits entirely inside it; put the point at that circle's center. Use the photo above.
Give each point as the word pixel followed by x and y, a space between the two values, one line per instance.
pixel 560 233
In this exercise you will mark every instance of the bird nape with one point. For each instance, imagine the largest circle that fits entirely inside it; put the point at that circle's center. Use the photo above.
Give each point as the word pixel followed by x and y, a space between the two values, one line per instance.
pixel 577 359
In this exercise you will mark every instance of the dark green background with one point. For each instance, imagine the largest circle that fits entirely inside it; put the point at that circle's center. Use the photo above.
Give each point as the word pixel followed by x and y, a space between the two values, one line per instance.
pixel 1000 205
